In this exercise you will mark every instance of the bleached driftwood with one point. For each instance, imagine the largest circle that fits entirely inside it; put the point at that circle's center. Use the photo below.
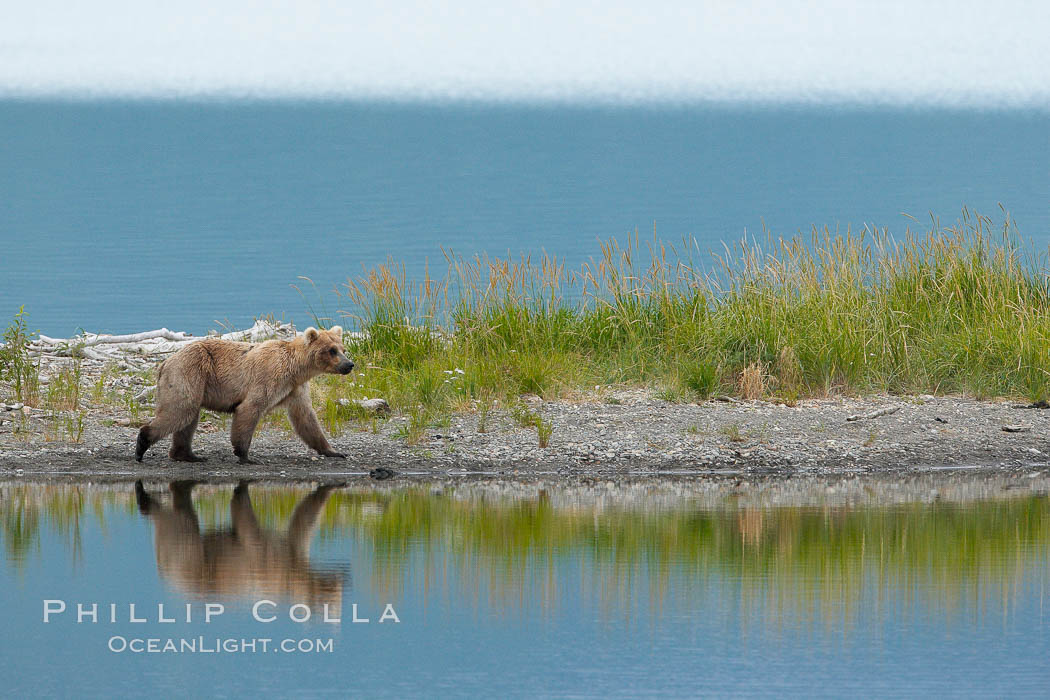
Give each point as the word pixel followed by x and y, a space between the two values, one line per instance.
pixel 874 414
pixel 148 346
pixel 92 339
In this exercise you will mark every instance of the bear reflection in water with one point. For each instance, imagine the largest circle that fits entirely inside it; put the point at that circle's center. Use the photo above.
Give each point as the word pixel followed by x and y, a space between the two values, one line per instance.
pixel 243 561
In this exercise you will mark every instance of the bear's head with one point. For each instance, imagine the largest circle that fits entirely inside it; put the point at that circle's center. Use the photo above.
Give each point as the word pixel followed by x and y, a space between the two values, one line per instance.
pixel 325 349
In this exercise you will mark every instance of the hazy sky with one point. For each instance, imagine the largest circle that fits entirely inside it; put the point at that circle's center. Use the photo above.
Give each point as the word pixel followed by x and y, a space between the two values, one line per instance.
pixel 959 52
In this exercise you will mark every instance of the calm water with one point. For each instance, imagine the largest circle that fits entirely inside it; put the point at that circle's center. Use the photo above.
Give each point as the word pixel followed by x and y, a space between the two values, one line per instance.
pixel 126 216
pixel 516 590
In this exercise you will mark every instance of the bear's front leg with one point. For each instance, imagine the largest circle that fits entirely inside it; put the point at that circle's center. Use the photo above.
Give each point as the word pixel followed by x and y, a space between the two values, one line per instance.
pixel 242 516
pixel 304 420
pixel 245 419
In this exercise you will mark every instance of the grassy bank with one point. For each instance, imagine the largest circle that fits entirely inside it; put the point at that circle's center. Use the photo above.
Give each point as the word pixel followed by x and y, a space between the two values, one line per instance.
pixel 959 309
pixel 964 309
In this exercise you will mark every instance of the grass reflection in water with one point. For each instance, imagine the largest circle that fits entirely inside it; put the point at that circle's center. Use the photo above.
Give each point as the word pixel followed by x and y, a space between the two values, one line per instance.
pixel 497 544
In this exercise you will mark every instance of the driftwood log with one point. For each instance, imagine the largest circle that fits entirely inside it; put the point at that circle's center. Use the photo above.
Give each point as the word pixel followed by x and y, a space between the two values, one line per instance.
pixel 874 414
pixel 143 349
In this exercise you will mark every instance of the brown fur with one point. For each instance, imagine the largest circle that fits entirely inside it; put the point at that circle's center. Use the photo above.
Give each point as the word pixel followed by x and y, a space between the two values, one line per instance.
pixel 242 560
pixel 245 379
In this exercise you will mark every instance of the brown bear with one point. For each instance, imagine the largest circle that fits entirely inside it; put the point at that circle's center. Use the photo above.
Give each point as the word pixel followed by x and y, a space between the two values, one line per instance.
pixel 243 560
pixel 247 380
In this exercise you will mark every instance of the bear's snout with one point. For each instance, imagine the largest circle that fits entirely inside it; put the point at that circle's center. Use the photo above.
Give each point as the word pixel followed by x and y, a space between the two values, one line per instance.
pixel 345 367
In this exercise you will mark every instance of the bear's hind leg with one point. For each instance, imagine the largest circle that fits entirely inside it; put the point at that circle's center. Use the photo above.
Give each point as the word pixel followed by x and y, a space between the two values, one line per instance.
pixel 181 444
pixel 163 424
pixel 245 420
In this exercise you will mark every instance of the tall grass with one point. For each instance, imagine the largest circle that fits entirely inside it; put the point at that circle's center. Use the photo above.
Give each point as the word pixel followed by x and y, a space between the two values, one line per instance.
pixel 964 308
pixel 17 368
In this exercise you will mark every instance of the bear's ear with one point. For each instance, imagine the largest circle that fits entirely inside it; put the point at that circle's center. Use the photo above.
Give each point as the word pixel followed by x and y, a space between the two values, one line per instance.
pixel 337 331
pixel 311 334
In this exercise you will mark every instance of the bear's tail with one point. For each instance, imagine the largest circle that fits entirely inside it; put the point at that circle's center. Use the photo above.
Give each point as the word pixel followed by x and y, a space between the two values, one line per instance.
pixel 158 389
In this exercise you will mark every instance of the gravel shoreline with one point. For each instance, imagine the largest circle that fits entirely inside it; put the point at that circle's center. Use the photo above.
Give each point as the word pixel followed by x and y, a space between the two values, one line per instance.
pixel 610 431
pixel 615 433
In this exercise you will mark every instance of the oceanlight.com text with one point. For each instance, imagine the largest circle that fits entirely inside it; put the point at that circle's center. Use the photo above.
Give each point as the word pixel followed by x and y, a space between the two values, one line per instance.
pixel 218 645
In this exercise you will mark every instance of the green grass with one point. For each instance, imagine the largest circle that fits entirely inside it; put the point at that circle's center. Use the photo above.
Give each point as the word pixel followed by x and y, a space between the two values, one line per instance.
pixel 544 430
pixel 64 389
pixel 64 427
pixel 64 418
pixel 963 309
pixel 20 376
pixel 484 409
pixel 16 366
pixel 527 418
pixel 99 393
pixel 959 309
pixel 733 432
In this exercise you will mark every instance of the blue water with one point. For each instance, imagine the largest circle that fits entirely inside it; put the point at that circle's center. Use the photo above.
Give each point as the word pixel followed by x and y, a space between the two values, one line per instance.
pixel 118 216
pixel 550 593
